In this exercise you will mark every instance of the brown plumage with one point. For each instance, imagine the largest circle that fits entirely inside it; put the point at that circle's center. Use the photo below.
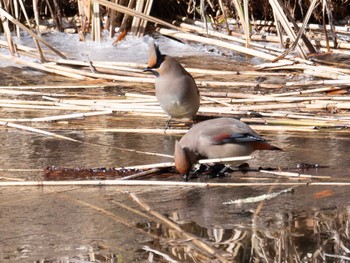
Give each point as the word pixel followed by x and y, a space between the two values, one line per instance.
pixel 217 138
pixel 176 90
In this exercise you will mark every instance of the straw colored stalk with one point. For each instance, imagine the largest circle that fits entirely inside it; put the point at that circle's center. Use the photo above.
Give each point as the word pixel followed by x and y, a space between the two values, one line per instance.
pixel 61 117
pixel 34 130
pixel 20 170
pixel 290 115
pixel 282 18
pixel 219 35
pixel 329 105
pixel 94 102
pixel 22 92
pixel 138 68
pixel 141 174
pixel 151 80
pixel 193 239
pixel 148 8
pixel 243 17
pixel 99 64
pixel 144 131
pixel 224 94
pixel 299 175
pixel 42 67
pixel 290 66
pixel 287 99
pixel 338 70
pixel 284 128
pixel 72 86
pixel 215 42
pixel 301 122
pixel 165 183
pixel 96 22
pixel 321 68
pixel 37 44
pixel 7 32
pixel 59 106
pixel 18 47
pixel 326 74
pixel 238 73
pixel 324 82
pixel 135 25
pixel 15 5
pixel 224 15
pixel 334 51
pixel 88 105
pixel 111 63
pixel 134 13
pixel 26 102
pixel 83 73
pixel 156 108
pixel 262 127
pixel 308 91
pixel 332 63
pixel 202 161
pixel 253 107
pixel 339 29
pixel 317 43
pixel 301 31
pixel 205 83
pixel 30 32
pixel 12 179
pixel 138 95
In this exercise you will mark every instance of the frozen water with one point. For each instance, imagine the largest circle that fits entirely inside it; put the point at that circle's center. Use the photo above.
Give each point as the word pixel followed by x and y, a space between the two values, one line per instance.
pixel 131 49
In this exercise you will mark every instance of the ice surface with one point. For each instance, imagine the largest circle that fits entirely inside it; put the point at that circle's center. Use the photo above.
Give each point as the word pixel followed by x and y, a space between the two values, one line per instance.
pixel 131 49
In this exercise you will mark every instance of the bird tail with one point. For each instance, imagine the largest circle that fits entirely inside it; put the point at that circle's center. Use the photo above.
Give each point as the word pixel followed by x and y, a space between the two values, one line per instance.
pixel 266 146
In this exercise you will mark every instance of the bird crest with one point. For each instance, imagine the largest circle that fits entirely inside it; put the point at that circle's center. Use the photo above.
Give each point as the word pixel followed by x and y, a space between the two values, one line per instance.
pixel 155 58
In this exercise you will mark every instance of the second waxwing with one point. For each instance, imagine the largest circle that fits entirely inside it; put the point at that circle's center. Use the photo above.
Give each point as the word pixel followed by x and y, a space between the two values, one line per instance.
pixel 176 90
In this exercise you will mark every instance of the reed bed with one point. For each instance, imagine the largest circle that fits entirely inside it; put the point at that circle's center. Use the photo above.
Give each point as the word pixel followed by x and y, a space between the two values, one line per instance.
pixel 305 109
pixel 312 97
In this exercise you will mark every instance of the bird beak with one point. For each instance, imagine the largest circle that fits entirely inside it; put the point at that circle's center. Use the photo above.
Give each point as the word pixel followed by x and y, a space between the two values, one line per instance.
pixel 148 69
pixel 182 160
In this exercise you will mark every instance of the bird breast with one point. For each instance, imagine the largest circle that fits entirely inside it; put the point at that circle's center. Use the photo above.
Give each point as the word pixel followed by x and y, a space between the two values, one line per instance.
pixel 177 95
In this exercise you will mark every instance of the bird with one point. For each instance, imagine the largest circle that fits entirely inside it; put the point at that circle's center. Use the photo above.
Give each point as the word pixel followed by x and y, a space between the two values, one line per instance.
pixel 176 90
pixel 217 138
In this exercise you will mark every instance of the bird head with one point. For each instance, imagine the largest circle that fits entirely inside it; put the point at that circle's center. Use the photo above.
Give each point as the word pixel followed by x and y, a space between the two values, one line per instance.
pixel 155 58
pixel 182 160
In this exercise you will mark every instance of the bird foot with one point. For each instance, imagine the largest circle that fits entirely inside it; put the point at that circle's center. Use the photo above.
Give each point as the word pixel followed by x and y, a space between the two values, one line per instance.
pixel 244 167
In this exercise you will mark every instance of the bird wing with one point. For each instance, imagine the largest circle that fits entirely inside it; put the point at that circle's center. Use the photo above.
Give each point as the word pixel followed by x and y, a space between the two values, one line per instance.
pixel 230 134
pixel 225 137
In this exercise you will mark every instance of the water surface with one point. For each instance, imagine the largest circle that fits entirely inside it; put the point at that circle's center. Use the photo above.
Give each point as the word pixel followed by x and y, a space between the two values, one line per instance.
pixel 102 224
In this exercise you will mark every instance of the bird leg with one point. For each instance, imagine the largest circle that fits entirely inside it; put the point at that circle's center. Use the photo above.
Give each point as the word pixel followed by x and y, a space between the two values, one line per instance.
pixel 168 125
pixel 186 177
pixel 244 167
pixel 193 118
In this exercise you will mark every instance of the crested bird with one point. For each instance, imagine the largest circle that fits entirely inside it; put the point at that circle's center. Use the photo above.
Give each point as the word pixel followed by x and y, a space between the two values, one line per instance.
pixel 217 138
pixel 176 90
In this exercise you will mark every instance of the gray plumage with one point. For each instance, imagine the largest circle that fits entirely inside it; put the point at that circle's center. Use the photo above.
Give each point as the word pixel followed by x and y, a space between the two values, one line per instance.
pixel 176 90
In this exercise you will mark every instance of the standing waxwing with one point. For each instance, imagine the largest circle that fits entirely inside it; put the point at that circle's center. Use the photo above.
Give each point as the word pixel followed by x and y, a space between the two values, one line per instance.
pixel 217 138
pixel 176 90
